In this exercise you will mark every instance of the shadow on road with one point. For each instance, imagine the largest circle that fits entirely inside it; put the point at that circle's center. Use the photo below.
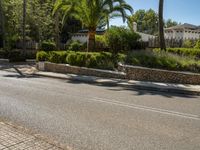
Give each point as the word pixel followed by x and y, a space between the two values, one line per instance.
pixel 137 90
pixel 15 68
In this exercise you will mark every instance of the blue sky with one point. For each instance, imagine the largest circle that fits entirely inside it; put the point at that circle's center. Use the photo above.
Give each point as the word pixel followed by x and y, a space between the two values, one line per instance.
pixel 184 11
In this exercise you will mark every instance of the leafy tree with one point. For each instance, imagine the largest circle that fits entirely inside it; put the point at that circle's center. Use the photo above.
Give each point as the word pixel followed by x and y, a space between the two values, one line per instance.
pixel 92 14
pixel 170 23
pixel 147 21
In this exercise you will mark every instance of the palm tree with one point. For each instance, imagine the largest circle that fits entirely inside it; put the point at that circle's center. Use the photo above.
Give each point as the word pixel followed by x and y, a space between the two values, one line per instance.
pixel 92 13
pixel 161 26
pixel 24 26
pixel 2 24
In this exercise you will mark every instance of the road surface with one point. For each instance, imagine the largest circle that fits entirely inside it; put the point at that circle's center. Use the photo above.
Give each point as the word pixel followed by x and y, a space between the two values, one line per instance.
pixel 94 117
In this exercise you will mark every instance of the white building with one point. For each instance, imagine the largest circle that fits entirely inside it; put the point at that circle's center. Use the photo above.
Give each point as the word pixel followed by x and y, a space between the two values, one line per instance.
pixel 185 31
pixel 82 35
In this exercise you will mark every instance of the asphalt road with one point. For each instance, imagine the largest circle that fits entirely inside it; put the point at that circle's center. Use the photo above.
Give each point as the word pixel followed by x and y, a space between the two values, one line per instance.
pixel 95 117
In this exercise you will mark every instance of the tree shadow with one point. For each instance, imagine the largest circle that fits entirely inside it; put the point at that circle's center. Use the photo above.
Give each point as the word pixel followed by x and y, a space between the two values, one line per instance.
pixel 137 90
pixel 15 69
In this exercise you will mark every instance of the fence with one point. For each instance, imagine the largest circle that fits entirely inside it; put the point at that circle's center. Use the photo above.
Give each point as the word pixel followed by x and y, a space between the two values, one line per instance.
pixel 173 42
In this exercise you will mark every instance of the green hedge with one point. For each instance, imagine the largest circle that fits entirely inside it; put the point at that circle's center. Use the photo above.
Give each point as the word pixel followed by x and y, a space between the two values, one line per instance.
pixel 192 52
pixel 48 46
pixel 163 60
pixel 103 60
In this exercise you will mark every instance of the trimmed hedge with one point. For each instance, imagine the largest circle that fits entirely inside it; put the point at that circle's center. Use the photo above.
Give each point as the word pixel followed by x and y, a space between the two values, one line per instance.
pixel 48 46
pixel 192 52
pixel 103 60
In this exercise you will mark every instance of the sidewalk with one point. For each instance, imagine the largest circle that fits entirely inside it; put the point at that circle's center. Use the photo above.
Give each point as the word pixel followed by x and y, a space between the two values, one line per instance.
pixel 143 85
pixel 13 138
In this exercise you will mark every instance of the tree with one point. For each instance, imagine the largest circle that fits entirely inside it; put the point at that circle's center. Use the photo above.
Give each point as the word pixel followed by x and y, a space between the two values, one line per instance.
pixel 161 26
pixel 91 13
pixel 170 23
pixel 147 21
pixel 24 26
pixel 2 25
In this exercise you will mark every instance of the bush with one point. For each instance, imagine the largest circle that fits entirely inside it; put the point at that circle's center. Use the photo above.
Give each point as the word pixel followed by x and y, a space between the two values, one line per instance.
pixel 188 44
pixel 75 46
pixel 57 56
pixel 42 56
pixel 191 52
pixel 197 45
pixel 120 38
pixel 16 56
pixel 3 53
pixel 48 46
pixel 163 60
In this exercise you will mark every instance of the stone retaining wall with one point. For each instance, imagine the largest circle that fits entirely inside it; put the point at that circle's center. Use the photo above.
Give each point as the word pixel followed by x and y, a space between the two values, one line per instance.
pixel 130 73
pixel 157 75
pixel 64 68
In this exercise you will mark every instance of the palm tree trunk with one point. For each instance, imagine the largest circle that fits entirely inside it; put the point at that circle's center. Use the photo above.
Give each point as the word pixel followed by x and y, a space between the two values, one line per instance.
pixel 91 40
pixel 2 23
pixel 161 26
pixel 57 31
pixel 24 27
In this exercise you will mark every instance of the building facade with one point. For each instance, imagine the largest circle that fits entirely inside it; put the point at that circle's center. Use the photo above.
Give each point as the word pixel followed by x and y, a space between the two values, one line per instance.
pixel 184 32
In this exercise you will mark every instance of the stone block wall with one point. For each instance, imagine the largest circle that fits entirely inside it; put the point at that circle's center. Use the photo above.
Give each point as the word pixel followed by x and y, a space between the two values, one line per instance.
pixel 64 68
pixel 158 75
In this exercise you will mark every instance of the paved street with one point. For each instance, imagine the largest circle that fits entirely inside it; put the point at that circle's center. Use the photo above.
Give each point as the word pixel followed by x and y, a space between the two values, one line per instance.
pixel 94 117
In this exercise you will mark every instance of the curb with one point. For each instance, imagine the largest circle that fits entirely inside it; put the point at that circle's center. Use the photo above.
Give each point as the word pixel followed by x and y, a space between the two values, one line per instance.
pixel 122 83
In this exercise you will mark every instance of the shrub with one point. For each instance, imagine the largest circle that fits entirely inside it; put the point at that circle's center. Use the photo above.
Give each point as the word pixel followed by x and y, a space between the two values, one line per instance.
pixel 163 60
pixel 197 45
pixel 120 38
pixel 188 44
pixel 16 56
pixel 75 46
pixel 42 56
pixel 191 52
pixel 100 43
pixel 2 53
pixel 57 56
pixel 48 46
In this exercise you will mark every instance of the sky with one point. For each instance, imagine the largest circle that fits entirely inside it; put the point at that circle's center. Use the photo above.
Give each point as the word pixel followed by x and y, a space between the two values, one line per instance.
pixel 184 11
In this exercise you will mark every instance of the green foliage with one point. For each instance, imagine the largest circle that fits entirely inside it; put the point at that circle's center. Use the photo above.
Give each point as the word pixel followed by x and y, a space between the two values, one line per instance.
pixel 57 56
pixel 147 21
pixel 191 52
pixel 42 56
pixel 163 60
pixel 16 56
pixel 75 46
pixel 120 38
pixel 188 44
pixel 170 23
pixel 48 46
pixel 197 45
pixel 3 53
pixel 103 60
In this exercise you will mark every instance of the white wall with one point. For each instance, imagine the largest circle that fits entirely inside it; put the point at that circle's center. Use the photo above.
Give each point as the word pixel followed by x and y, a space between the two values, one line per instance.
pixel 146 37
pixel 80 37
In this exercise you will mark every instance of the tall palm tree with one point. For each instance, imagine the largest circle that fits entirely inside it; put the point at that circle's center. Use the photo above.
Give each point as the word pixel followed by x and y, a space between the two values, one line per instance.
pixel 2 18
pixel 24 26
pixel 161 26
pixel 92 13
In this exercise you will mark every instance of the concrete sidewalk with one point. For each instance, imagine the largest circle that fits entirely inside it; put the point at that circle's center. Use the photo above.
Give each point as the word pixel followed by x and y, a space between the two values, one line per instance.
pixel 13 138
pixel 143 85
pixel 30 70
